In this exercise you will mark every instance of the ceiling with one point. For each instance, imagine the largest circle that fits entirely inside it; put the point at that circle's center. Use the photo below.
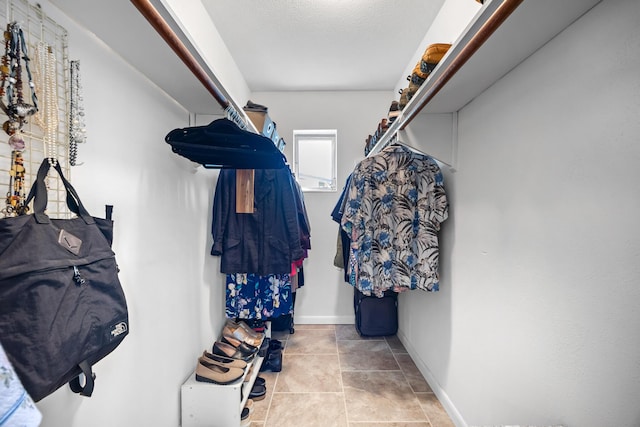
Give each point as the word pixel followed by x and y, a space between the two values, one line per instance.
pixel 279 45
pixel 322 44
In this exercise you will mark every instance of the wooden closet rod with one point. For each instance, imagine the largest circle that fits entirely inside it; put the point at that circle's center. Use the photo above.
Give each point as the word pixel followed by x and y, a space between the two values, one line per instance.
pixel 157 21
pixel 487 29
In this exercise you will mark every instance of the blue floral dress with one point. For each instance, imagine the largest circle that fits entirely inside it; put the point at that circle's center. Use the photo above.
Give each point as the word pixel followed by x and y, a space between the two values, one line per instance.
pixel 395 204
pixel 251 296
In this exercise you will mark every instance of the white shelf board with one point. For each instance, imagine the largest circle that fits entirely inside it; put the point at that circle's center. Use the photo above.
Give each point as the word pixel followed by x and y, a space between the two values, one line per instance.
pixel 529 27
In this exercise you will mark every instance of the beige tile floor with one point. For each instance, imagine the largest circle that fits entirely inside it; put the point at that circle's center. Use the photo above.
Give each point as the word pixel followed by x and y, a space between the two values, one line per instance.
pixel 332 377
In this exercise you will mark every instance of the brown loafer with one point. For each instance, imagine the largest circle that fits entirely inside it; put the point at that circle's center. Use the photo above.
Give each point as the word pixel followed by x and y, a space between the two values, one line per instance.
pixel 223 361
pixel 226 350
pixel 240 345
pixel 250 338
pixel 246 328
pixel 214 373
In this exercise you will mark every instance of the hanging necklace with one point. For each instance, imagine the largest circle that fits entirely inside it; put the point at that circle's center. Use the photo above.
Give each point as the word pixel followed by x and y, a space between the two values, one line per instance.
pixel 15 200
pixel 77 129
pixel 11 126
pixel 47 116
pixel 4 63
pixel 16 109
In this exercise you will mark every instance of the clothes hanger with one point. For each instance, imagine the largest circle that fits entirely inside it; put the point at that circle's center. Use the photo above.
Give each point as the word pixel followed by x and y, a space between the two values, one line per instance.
pixel 222 144
pixel 395 140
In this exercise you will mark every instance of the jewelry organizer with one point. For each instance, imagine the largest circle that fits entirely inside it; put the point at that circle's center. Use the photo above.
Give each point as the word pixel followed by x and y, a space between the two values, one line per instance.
pixel 46 43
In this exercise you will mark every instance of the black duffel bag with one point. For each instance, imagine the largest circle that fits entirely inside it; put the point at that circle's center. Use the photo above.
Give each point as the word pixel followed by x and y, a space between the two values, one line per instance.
pixel 62 307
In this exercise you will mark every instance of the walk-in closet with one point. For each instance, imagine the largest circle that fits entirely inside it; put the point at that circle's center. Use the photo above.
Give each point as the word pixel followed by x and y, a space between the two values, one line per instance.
pixel 320 213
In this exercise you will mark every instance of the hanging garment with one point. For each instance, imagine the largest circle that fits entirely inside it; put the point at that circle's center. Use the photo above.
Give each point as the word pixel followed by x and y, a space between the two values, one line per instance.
pixel 250 296
pixel 222 144
pixel 16 406
pixel 395 204
pixel 303 219
pixel 265 242
pixel 343 245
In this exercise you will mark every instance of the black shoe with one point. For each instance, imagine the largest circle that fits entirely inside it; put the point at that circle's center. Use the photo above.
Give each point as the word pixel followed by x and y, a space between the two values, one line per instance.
pixel 394 111
pixel 252 106
pixel 275 345
pixel 227 350
pixel 264 348
pixel 273 362
pixel 258 392
pixel 245 413
pixel 241 346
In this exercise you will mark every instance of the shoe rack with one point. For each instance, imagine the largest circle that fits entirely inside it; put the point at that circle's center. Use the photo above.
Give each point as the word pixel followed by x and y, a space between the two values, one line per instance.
pixel 501 35
pixel 206 404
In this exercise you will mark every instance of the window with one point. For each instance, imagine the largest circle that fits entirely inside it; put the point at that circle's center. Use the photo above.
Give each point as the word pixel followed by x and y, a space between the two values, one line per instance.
pixel 314 159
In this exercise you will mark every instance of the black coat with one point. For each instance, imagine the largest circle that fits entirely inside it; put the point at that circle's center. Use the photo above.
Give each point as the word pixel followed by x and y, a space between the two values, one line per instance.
pixel 265 242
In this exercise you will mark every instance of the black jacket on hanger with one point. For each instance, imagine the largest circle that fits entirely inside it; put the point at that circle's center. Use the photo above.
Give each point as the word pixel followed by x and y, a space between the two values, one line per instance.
pixel 266 241
pixel 222 144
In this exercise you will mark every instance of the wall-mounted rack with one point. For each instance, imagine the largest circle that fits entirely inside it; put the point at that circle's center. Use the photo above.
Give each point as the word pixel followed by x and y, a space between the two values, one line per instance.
pixel 501 35
pixel 40 31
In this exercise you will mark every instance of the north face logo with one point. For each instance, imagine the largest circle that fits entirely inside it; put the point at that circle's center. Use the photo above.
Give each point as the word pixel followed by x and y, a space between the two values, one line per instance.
pixel 119 329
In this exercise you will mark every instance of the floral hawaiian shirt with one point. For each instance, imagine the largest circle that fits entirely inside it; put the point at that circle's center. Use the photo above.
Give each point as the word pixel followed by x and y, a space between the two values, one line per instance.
pixel 395 204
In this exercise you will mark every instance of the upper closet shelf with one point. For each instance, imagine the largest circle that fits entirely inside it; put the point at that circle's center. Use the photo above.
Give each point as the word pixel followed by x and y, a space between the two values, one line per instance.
pixel 501 35
pixel 167 27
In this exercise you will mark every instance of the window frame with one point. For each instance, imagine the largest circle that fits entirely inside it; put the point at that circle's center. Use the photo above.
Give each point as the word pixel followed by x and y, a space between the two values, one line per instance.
pixel 310 134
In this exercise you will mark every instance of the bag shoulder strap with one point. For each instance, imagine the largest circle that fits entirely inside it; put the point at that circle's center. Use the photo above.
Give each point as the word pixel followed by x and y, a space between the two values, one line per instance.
pixel 39 195
pixel 89 380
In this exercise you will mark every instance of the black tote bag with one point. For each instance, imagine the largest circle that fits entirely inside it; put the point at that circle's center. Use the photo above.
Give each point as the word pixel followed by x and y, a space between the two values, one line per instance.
pixel 62 307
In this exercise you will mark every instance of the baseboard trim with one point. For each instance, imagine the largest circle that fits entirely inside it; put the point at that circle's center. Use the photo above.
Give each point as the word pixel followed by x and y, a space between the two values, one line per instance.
pixel 443 397
pixel 324 320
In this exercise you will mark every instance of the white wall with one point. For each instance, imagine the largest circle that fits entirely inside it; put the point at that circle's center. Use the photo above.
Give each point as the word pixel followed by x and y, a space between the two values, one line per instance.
pixel 162 215
pixel 537 320
pixel 326 298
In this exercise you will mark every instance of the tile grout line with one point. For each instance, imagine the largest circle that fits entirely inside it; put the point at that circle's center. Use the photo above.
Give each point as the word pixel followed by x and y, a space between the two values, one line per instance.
pixel 275 382
pixel 408 382
pixel 344 394
pixel 266 414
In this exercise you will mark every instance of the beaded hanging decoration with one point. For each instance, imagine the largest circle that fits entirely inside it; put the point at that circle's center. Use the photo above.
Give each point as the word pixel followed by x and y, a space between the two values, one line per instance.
pixel 17 111
pixel 46 77
pixel 4 63
pixel 77 128
pixel 16 195
pixel 16 108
